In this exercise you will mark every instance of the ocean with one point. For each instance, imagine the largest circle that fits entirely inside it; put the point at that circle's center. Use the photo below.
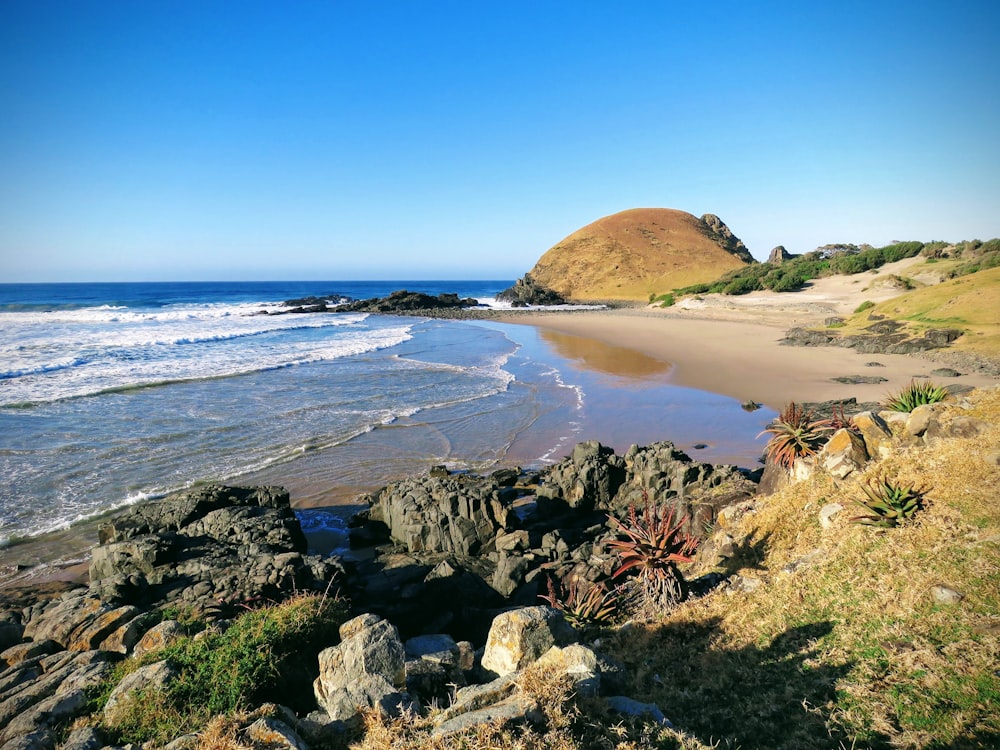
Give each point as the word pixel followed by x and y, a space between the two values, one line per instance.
pixel 112 394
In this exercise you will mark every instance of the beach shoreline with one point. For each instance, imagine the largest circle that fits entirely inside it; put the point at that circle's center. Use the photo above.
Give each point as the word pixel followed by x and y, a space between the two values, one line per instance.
pixel 743 359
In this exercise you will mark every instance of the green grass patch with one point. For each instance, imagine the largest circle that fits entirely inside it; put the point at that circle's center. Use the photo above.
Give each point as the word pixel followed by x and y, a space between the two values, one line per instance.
pixel 268 654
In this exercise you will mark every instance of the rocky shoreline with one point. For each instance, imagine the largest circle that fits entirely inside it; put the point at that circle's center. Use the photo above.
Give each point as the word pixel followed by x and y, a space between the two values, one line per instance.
pixel 448 595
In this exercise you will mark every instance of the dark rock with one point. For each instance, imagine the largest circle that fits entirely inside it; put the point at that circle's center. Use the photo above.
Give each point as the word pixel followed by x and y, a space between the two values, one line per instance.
pixel 945 372
pixel 587 479
pixel 460 514
pixel 779 255
pixel 526 291
pixel 884 337
pixel 214 547
pixel 874 364
pixel 860 379
pixel 717 230
pixel 403 301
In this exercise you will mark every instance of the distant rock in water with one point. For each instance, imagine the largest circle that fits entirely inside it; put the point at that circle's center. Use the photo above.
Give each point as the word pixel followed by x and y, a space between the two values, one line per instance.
pixel 526 291
pixel 404 301
pixel 633 254
pixel 400 301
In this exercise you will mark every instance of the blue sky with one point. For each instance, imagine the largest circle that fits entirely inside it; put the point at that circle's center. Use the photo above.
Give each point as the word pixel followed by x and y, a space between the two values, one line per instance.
pixel 346 140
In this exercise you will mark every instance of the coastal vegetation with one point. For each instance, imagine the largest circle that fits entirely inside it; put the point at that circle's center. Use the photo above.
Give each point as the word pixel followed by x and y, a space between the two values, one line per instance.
pixel 267 655
pixel 916 394
pixel 795 434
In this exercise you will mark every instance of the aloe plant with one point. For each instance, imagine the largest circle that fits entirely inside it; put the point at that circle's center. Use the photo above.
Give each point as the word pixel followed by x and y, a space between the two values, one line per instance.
pixel 584 604
pixel 653 545
pixel 916 394
pixel 888 503
pixel 795 434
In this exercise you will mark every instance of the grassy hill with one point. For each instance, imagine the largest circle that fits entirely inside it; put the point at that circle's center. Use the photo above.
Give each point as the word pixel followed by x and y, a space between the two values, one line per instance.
pixel 633 254
pixel 971 303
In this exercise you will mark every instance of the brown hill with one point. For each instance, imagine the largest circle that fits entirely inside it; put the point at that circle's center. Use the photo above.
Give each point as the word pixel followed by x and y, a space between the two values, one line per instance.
pixel 642 251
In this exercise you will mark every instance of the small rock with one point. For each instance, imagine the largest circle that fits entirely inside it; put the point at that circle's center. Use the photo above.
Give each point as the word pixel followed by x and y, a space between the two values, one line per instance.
pixel 827 514
pixel 946 595
pixel 861 379
pixel 874 364
pixel 945 372
pixel 630 707
pixel 844 453
pixel 275 734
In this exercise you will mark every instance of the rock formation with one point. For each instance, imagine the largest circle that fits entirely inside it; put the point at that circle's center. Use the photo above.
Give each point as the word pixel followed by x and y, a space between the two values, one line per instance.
pixel 635 253
pixel 526 291
pixel 779 255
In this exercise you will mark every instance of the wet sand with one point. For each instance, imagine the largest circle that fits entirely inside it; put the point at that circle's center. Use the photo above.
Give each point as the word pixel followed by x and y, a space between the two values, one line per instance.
pixel 741 359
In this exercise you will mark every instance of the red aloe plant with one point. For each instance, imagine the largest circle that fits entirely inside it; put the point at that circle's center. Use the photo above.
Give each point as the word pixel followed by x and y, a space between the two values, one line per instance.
pixel 654 544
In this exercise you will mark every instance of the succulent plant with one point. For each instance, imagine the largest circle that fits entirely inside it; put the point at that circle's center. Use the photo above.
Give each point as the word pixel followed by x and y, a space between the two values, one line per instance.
pixel 888 503
pixel 795 434
pixel 584 603
pixel 653 545
pixel 916 394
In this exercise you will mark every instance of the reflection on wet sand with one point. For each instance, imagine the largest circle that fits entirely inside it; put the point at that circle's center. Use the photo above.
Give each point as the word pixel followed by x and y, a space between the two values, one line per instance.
pixel 604 358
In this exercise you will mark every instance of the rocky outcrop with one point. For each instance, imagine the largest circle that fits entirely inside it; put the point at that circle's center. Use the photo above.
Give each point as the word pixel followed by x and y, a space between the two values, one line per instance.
pixel 526 291
pixel 213 547
pixel 723 235
pixel 779 255
pixel 459 514
pixel 403 301
pixel 882 337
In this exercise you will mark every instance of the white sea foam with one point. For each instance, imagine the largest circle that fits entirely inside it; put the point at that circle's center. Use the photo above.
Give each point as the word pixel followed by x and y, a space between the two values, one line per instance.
pixel 73 357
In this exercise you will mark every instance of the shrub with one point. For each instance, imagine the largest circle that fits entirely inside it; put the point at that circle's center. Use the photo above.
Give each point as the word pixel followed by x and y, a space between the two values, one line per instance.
pixel 666 300
pixel 652 547
pixel 867 304
pixel 268 654
pixel 742 285
pixel 916 394
pixel 795 435
pixel 888 504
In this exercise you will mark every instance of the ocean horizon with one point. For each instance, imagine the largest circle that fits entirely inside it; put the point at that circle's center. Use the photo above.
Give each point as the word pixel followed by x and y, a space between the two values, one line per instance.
pixel 117 393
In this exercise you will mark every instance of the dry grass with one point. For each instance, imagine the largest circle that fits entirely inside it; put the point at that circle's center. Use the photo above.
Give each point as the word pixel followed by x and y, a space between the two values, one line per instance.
pixel 632 254
pixel 850 648
pixel 569 723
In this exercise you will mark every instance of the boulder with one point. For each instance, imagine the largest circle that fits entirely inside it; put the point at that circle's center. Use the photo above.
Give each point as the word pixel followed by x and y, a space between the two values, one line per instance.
pixel 521 636
pixel 843 453
pixel 158 637
pixel 366 670
pixel 875 432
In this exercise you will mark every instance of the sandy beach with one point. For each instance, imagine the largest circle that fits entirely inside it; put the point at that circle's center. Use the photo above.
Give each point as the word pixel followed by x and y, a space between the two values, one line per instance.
pixel 730 345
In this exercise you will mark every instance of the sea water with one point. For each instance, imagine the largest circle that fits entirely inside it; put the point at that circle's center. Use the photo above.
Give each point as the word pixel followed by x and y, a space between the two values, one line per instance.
pixel 112 394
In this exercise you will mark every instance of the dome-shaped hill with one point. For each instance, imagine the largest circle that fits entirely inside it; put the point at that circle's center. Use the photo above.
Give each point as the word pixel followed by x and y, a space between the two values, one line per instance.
pixel 642 251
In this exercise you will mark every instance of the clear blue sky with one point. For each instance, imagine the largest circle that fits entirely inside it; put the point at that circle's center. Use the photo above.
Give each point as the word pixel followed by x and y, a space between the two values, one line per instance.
pixel 345 140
